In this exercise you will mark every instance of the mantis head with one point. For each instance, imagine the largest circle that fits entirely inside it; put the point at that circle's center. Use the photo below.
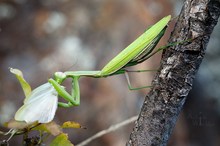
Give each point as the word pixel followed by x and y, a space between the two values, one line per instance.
pixel 59 77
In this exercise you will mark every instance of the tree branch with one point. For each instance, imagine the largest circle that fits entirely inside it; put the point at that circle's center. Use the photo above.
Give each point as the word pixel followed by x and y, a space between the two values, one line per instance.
pixel 174 80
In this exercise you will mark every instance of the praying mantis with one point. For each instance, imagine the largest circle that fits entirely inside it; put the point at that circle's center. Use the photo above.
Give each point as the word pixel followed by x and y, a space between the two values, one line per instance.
pixel 41 104
pixel 137 52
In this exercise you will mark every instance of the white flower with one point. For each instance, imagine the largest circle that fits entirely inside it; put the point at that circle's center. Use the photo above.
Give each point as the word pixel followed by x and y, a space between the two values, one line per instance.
pixel 40 106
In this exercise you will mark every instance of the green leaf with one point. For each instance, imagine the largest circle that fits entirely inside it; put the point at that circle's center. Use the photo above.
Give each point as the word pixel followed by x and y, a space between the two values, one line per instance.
pixel 25 86
pixel 61 140
pixel 71 124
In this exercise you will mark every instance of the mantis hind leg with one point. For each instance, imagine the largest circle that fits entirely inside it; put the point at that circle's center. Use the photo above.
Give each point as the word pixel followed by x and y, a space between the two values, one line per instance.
pixel 128 79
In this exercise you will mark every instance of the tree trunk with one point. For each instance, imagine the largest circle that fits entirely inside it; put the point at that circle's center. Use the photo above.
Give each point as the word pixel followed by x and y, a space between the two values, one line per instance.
pixel 174 80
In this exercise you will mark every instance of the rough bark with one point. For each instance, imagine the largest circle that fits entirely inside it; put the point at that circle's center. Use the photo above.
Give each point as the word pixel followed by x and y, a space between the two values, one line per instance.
pixel 174 80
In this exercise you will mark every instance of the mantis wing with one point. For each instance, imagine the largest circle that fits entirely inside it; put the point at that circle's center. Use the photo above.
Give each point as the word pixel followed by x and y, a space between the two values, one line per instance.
pixel 139 46
pixel 146 53
pixel 40 106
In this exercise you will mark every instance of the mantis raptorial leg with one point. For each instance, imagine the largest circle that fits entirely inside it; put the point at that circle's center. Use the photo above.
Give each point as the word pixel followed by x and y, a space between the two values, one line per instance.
pixel 74 98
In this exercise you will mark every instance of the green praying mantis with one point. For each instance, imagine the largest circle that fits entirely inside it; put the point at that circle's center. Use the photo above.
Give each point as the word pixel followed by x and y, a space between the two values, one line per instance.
pixel 137 52
pixel 42 103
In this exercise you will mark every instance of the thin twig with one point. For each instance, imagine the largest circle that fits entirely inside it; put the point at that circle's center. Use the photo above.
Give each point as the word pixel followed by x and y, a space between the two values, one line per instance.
pixel 106 131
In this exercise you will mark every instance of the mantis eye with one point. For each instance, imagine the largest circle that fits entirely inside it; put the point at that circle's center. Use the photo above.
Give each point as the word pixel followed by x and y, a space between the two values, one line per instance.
pixel 59 76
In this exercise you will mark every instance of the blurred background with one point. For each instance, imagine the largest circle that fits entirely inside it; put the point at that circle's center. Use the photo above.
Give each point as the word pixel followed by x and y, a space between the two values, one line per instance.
pixel 40 37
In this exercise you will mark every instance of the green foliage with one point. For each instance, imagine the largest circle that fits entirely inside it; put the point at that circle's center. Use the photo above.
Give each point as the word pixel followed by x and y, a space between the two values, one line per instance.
pixel 71 124
pixel 61 140
pixel 45 130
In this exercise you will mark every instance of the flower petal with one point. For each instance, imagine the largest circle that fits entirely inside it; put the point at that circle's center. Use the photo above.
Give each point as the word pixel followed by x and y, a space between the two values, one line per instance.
pixel 24 84
pixel 40 106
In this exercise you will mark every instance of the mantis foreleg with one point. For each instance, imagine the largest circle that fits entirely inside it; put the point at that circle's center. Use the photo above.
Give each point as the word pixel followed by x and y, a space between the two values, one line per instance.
pixel 74 98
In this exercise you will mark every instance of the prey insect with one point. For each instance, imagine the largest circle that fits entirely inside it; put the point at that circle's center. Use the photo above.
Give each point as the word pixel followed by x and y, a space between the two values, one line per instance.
pixel 138 51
